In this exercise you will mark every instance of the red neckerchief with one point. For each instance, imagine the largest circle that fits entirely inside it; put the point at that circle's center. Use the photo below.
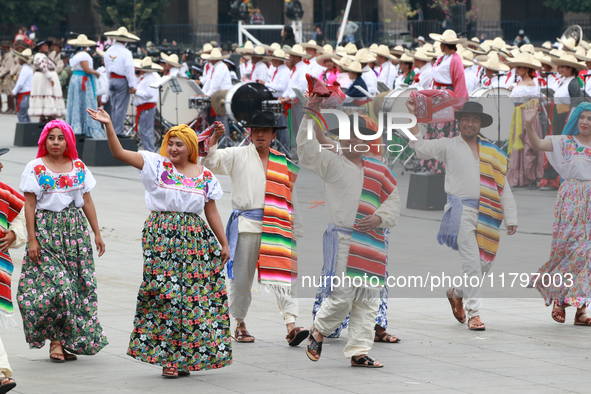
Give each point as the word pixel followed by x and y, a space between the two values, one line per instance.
pixel 306 61
pixel 439 61
pixel 275 73
pixel 417 78
pixel 206 68
pixel 292 71
pixel 508 76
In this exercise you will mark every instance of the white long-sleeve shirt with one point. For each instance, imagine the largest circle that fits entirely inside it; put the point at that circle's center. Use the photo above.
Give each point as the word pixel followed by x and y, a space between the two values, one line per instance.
pixel 471 79
pixel 371 80
pixel 119 60
pixel 260 72
pixel 387 74
pixel 249 182
pixel 462 171
pixel 279 80
pixel 314 68
pixel 425 76
pixel 144 93
pixel 24 81
pixel 220 79
pixel 297 79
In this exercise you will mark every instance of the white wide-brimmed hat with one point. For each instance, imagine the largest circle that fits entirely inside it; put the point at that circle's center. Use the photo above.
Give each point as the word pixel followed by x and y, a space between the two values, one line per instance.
pixel 215 54
pixel 82 41
pixel 570 43
pixel 583 55
pixel 298 50
pixel 247 49
pixel 546 47
pixel 122 34
pixel 172 59
pixel 351 48
pixel 569 60
pixel 382 50
pixel 525 59
pixel 498 43
pixel 545 59
pixel 344 61
pixel 26 55
pixel 493 63
pixel 327 52
pixel 365 56
pixel 278 54
pixel 448 37
pixel 467 58
pixel 311 44
pixel 259 51
pixel 422 55
pixel 146 64
pixel 405 58
pixel 529 48
pixel 271 48
pixel 355 67
pixel 397 50
pixel 207 48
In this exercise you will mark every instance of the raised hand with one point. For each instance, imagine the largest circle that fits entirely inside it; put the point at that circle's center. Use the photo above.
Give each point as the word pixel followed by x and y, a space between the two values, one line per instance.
pixel 530 112
pixel 100 115
pixel 410 104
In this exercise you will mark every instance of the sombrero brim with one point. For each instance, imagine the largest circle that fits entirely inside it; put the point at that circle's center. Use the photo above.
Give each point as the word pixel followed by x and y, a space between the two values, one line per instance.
pixel 583 58
pixel 438 37
pixel 353 71
pixel 317 47
pixel 524 64
pixel 266 126
pixel 499 67
pixel 302 55
pixel 477 51
pixel 76 43
pixel 467 63
pixel 20 56
pixel 562 62
pixel 387 56
pixel 325 56
pixel 244 51
pixel 485 119
pixel 565 45
pixel 215 58
pixel 540 49
pixel 118 37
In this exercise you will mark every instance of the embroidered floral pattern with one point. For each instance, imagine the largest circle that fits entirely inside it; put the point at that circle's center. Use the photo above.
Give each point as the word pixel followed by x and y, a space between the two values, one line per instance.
pixel 571 149
pixel 49 180
pixel 171 178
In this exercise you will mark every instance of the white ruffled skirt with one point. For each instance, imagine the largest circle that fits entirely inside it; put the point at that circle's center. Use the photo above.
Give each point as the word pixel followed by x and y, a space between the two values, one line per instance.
pixel 46 100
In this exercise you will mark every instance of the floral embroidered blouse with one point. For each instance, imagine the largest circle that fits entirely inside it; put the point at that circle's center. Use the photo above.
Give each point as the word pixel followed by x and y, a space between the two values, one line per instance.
pixel 570 158
pixel 168 190
pixel 54 190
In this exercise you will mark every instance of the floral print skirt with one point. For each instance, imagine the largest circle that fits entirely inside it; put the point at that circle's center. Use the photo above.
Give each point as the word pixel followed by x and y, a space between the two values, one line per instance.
pixel 434 132
pixel 566 277
pixel 182 317
pixel 57 295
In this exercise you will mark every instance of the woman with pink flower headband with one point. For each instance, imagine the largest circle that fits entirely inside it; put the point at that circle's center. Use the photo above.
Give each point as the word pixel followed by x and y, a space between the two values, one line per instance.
pixel 57 293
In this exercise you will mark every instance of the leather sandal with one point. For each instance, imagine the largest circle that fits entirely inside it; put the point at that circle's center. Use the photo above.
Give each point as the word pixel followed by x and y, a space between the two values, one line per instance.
pixel 586 319
pixel 56 357
pixel 6 384
pixel 456 306
pixel 171 372
pixel 314 348
pixel 475 324
pixel 296 336
pixel 69 356
pixel 559 314
pixel 243 336
pixel 365 362
pixel 386 338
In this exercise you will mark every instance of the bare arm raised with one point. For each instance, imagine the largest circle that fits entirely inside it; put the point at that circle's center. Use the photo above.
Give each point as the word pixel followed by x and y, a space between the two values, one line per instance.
pixel 529 115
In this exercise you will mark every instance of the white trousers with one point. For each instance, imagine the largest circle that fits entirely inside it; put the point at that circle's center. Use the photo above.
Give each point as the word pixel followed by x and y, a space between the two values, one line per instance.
pixel 5 370
pixel 471 266
pixel 345 299
pixel 239 289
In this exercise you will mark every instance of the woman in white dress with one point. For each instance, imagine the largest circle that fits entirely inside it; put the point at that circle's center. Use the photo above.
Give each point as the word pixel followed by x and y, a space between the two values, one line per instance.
pixel 47 100
pixel 526 165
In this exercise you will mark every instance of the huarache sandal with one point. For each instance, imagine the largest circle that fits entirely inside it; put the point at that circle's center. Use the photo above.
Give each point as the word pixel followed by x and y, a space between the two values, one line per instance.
pixel 243 336
pixel 6 384
pixel 70 356
pixel 456 306
pixel 184 373
pixel 385 337
pixel 296 336
pixel 581 319
pixel 170 372
pixel 475 324
pixel 559 314
pixel 314 348
pixel 56 356
pixel 365 362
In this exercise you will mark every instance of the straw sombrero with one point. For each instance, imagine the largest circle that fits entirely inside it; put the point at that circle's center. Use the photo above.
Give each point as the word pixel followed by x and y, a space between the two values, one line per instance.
pixel 493 63
pixel 467 58
pixel 247 49
pixel 583 55
pixel 382 50
pixel 546 47
pixel 422 55
pixel 207 48
pixel 122 34
pixel 364 56
pixel 529 48
pixel 448 37
pixel 298 50
pixel 398 50
pixel 82 41
pixel 259 51
pixel 215 54
pixel 327 52
pixel 311 44
pixel 570 43
pixel 545 59
pixel 278 54
pixel 406 58
pixel 355 67
pixel 569 60
pixel 172 59
pixel 344 61
pixel 146 64
pixel 525 60
pixel 351 48
pixel 26 55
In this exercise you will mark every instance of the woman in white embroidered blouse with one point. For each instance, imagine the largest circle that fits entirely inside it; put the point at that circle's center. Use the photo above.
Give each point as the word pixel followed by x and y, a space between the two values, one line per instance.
pixel 57 293
pixel 182 304
pixel 565 280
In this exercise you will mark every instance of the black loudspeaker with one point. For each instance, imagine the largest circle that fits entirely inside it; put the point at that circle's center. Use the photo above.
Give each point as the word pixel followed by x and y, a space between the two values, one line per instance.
pixel 97 152
pixel 27 134
pixel 426 192
pixel 80 145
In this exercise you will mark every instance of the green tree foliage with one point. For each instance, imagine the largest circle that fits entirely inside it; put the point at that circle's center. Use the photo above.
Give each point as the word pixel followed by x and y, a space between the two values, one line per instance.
pixel 569 5
pixel 136 15
pixel 38 12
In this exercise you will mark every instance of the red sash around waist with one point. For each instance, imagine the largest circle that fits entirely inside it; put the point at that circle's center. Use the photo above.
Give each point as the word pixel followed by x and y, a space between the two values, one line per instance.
pixel 20 97
pixel 140 108
pixel 117 76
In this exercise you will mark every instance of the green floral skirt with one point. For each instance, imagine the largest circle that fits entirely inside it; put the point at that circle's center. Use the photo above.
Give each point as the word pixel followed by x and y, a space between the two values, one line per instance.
pixel 182 317
pixel 57 295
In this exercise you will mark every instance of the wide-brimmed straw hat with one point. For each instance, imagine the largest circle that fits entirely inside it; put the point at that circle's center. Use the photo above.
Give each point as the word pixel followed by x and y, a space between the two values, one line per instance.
pixel 498 43
pixel 397 50
pixel 271 48
pixel 122 34
pixel 351 48
pixel 207 48
pixel 554 53
pixel 172 59
pixel 355 67
pixel 448 37
pixel 569 60
pixel 345 61
pixel 570 43
pixel 327 52
pixel 278 54
pixel 475 108
pixel 259 51
pixel 247 49
pixel 583 55
pixel 467 58
pixel 405 58
pixel 26 55
pixel 365 56
pixel 529 48
pixel 298 50
pixel 311 44
pixel 215 54
pixel 382 50
pixel 493 63
pixel 422 55
pixel 82 41
pixel 146 64
pixel 585 45
pixel 545 47
pixel 545 59
pixel 525 60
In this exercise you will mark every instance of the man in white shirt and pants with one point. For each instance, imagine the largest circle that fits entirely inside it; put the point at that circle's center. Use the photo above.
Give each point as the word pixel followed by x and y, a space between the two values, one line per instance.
pixel 121 73
pixel 260 71
pixel 145 100
pixel 365 57
pixel 388 71
pixel 423 63
pixel 314 50
pixel 278 85
pixel 22 90
pixel 219 79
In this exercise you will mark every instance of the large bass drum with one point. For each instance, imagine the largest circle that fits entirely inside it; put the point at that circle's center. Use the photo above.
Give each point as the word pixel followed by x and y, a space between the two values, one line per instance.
pixel 243 99
pixel 174 107
pixel 491 98
pixel 395 101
